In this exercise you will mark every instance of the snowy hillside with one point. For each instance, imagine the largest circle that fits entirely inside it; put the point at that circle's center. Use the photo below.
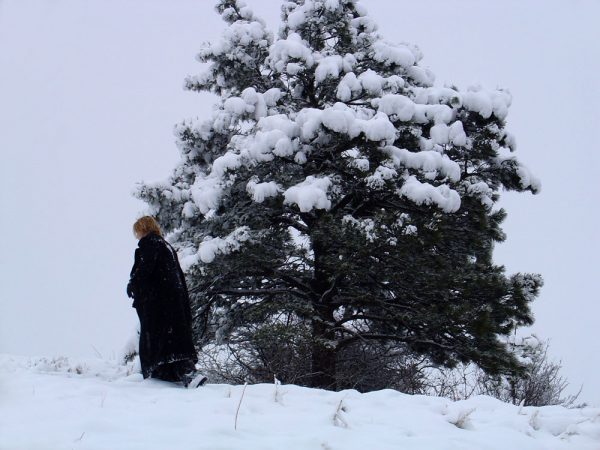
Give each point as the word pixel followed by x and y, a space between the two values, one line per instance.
pixel 96 404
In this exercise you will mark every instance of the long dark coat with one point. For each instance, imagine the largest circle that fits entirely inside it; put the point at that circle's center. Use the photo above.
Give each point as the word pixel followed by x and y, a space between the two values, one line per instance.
pixel 161 299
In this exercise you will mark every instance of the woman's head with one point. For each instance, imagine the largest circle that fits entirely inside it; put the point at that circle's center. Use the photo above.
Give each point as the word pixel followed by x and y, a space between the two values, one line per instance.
pixel 146 225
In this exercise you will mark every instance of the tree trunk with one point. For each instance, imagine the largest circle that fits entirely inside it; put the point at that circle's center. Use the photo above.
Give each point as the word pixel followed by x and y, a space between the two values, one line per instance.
pixel 323 351
pixel 323 337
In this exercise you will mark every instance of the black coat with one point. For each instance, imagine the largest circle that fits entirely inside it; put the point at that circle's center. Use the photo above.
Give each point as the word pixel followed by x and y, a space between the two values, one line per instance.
pixel 161 299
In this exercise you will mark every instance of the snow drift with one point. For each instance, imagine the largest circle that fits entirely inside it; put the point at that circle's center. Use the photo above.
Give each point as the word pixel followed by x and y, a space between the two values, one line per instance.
pixel 99 404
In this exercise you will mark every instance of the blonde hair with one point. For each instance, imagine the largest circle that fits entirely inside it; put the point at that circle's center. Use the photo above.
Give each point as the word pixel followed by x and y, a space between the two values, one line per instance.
pixel 145 225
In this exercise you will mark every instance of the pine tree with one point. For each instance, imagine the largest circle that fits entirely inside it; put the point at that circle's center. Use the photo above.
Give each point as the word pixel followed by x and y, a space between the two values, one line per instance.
pixel 337 194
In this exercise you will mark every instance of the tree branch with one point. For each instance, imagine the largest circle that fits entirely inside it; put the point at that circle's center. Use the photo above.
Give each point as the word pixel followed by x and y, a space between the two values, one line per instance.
pixel 258 292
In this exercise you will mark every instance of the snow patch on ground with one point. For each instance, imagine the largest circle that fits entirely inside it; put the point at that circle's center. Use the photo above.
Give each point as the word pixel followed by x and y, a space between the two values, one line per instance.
pixel 95 404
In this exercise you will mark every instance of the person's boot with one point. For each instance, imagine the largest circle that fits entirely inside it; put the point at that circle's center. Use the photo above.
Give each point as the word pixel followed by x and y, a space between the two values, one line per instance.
pixel 193 380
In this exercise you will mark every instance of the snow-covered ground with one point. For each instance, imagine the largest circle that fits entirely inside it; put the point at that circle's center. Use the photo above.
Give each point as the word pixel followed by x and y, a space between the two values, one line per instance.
pixel 60 403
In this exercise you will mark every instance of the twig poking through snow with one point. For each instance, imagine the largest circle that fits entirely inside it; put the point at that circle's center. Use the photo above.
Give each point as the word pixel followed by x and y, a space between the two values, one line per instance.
pixel 462 419
pixel 338 419
pixel 533 421
pixel 97 352
pixel 79 438
pixel 239 404
pixel 278 397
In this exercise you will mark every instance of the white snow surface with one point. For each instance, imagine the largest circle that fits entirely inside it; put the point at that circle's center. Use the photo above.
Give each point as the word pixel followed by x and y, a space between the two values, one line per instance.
pixel 98 404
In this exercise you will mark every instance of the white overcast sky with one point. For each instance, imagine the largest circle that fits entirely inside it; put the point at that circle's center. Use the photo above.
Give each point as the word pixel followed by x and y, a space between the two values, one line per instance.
pixel 90 91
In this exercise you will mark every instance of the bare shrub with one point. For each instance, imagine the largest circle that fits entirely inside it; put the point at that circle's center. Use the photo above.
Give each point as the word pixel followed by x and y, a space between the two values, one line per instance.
pixel 540 383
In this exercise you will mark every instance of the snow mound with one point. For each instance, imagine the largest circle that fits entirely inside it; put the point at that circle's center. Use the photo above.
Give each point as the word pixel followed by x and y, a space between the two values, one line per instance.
pixel 90 404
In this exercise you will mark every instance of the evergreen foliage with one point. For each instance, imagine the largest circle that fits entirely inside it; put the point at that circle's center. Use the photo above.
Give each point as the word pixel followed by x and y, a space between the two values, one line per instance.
pixel 336 200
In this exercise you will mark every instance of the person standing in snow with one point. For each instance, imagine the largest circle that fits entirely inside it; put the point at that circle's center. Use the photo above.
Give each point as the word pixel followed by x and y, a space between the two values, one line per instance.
pixel 160 294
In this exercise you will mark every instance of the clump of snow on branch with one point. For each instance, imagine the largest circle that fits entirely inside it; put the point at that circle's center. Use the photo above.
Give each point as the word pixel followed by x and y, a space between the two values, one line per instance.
pixel 427 161
pixel 260 191
pixel 365 226
pixel 211 247
pixel 292 48
pixel 311 193
pixel 442 196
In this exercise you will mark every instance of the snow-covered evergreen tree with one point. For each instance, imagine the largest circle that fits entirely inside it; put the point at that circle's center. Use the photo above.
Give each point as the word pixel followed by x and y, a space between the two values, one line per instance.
pixel 335 192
